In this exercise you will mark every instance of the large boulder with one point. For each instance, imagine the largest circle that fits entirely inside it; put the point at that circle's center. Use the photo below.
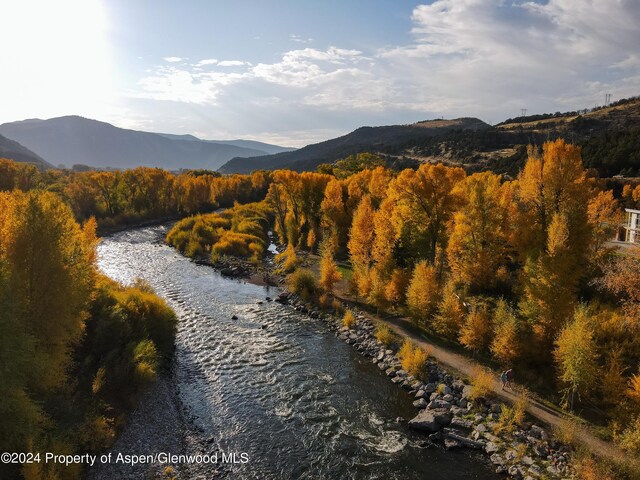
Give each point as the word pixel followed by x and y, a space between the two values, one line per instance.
pixel 431 420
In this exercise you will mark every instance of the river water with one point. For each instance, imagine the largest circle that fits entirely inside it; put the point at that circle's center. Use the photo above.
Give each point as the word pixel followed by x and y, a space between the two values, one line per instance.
pixel 275 384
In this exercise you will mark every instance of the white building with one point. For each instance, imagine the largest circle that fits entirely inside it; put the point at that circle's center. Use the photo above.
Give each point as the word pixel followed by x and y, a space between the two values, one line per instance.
pixel 633 226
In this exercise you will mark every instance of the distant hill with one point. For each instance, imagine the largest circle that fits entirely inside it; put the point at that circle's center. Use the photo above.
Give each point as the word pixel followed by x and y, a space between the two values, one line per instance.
pixel 364 139
pixel 14 151
pixel 609 137
pixel 76 140
pixel 267 148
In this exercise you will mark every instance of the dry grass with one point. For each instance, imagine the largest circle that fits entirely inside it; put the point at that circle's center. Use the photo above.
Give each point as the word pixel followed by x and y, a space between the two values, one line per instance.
pixel 413 358
pixel 481 383
pixel 349 320
pixel 567 432
pixel 511 417
pixel 384 335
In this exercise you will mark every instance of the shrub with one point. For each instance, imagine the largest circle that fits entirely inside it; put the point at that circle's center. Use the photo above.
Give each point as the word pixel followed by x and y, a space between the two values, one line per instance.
pixel 384 334
pixel 303 282
pixel 288 259
pixel 349 320
pixel 567 432
pixel 588 469
pixel 413 358
pixel 511 417
pixel 481 383
pixel 630 438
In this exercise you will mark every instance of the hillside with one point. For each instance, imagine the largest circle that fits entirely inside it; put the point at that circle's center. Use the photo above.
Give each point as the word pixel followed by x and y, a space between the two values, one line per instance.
pixel 610 138
pixel 14 151
pixel 385 139
pixel 77 140
pixel 266 148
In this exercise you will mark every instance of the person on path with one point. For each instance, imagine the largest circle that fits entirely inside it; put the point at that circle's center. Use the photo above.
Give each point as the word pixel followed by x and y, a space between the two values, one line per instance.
pixel 506 377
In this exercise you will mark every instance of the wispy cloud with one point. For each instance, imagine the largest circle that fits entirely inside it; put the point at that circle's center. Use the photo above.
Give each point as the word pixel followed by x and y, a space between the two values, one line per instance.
pixel 232 63
pixel 172 59
pixel 299 39
pixel 207 61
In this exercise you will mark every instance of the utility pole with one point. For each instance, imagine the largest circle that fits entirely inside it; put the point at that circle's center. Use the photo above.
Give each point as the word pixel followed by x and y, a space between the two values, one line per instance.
pixel 523 112
pixel 607 99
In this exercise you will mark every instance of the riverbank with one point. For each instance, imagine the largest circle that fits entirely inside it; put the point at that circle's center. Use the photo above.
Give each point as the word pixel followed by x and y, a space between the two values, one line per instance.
pixel 446 412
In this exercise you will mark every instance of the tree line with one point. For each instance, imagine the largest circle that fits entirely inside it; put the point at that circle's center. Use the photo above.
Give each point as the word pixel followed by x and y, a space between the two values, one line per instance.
pixel 517 272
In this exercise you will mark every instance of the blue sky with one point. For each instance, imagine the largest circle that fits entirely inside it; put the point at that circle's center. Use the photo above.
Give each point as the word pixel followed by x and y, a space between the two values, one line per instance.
pixel 297 72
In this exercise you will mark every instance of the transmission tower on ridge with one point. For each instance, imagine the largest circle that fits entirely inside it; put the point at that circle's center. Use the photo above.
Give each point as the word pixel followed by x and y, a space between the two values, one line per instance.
pixel 523 112
pixel 607 99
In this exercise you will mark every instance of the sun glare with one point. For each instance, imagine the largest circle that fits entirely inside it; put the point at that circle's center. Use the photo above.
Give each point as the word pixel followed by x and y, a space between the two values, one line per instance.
pixel 54 57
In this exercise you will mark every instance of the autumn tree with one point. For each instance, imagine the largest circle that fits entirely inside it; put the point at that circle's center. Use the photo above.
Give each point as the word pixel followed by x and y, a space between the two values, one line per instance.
pixel 576 356
pixel 550 284
pixel 426 201
pixel 41 241
pixel 329 273
pixel 478 249
pixel 553 236
pixel 335 220
pixel 604 217
pixel 476 330
pixel 361 238
pixel 423 291
pixel 451 312
pixel 505 345
pixel 621 278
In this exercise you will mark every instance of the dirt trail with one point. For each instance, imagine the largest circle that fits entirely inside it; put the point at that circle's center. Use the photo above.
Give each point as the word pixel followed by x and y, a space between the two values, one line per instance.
pixel 467 367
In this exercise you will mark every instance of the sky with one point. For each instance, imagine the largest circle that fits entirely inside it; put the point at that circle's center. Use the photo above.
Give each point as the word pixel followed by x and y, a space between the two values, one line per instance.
pixel 302 71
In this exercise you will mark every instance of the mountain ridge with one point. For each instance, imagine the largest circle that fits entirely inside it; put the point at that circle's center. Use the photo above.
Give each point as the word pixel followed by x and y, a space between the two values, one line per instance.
pixel 360 140
pixel 73 139
pixel 609 137
pixel 15 151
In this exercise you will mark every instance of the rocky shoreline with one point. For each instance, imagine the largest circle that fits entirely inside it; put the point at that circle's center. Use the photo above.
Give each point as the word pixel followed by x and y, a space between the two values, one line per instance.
pixel 446 413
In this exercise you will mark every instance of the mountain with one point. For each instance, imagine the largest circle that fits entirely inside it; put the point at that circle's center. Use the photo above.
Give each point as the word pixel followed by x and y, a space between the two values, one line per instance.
pixel 364 139
pixel 14 151
pixel 267 148
pixel 609 137
pixel 76 140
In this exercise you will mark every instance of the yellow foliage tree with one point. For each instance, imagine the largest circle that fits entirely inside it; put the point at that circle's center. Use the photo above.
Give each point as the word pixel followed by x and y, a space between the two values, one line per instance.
pixel 329 273
pixel 576 356
pixel 396 290
pixel 505 346
pixel 423 291
pixel 478 246
pixel 451 312
pixel 426 200
pixel 476 331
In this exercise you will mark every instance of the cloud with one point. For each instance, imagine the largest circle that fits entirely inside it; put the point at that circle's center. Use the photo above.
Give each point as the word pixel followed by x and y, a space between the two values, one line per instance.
pixel 298 39
pixel 232 63
pixel 172 59
pixel 207 61
pixel 465 58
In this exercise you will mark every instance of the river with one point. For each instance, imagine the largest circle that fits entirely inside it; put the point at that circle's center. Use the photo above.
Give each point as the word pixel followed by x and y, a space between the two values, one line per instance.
pixel 273 384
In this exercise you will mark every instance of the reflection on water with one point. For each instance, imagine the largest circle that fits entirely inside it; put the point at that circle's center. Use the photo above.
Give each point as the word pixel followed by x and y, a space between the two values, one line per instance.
pixel 276 384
